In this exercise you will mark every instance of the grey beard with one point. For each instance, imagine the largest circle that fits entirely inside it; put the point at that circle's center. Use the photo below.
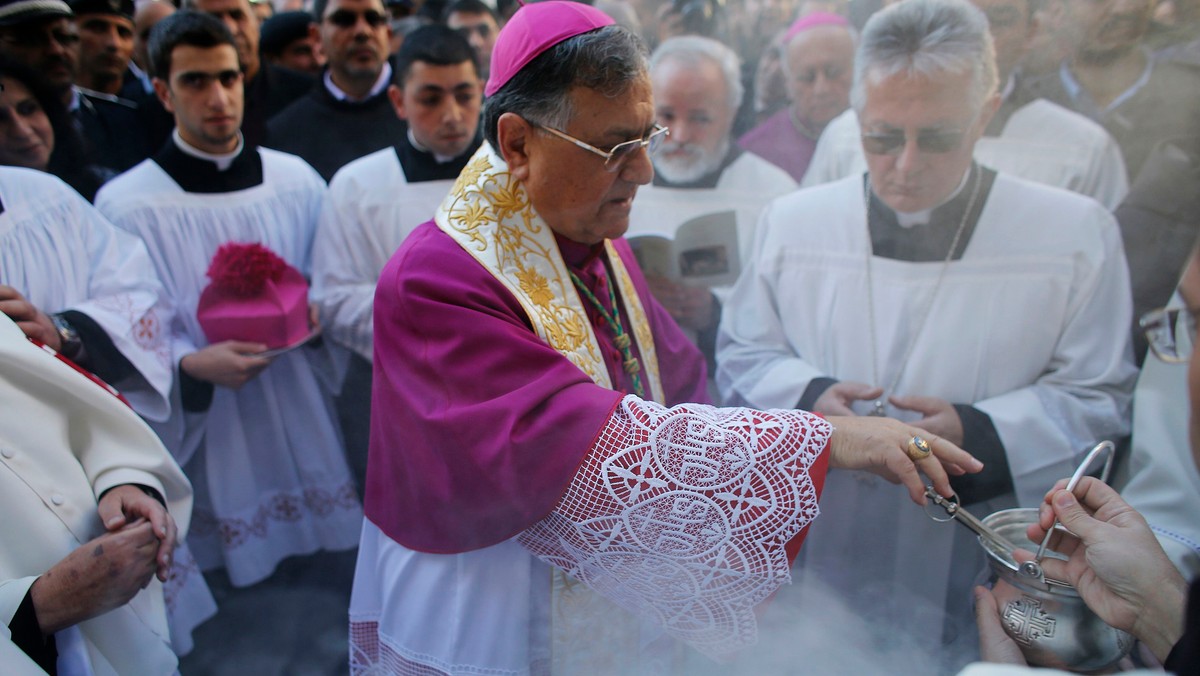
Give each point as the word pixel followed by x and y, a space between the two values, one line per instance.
pixel 678 172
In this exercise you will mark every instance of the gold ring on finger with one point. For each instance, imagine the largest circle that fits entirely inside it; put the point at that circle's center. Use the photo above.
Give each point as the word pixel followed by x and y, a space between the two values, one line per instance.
pixel 918 449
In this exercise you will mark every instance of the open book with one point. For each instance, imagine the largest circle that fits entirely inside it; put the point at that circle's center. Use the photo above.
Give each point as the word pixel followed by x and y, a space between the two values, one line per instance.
pixel 704 251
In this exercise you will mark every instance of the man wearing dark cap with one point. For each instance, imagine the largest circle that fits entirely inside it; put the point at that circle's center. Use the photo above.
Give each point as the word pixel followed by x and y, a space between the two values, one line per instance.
pixel 105 43
pixel 40 34
pixel 290 40
pixel 541 491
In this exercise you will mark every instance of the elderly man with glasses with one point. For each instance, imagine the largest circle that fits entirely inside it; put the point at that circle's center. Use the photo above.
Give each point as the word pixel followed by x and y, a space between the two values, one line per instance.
pixel 986 309
pixel 532 503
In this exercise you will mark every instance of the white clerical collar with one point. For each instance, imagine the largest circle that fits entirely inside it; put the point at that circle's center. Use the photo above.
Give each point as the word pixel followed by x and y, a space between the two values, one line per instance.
pixel 222 160
pixel 381 83
pixel 440 159
pixel 908 219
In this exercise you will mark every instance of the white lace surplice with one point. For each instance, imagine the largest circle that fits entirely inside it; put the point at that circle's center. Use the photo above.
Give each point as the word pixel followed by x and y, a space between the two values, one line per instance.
pixel 371 208
pixel 677 515
pixel 61 254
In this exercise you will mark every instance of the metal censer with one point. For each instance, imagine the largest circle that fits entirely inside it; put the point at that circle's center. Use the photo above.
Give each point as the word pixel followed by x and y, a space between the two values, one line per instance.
pixel 1044 616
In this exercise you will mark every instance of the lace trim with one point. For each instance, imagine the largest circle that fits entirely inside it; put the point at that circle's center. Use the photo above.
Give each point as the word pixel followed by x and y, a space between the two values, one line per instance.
pixel 682 515
pixel 370 656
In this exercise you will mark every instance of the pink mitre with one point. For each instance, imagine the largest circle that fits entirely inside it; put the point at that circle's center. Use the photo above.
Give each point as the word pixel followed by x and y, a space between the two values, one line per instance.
pixel 813 20
pixel 535 28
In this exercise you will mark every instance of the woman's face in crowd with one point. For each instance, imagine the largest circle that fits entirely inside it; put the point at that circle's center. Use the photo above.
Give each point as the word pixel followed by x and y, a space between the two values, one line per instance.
pixel 26 139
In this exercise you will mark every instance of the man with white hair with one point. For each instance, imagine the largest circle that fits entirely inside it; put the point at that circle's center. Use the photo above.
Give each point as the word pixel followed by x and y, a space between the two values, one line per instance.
pixel 699 170
pixel 1028 136
pixel 986 309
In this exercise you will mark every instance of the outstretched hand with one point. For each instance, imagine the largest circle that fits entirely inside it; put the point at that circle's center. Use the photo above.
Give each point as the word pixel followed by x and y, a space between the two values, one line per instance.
pixel 879 445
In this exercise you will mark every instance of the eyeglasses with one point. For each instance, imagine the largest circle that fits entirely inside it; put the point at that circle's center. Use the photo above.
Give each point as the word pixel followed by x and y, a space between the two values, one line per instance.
pixel 893 142
pixel 1170 332
pixel 344 18
pixel 620 152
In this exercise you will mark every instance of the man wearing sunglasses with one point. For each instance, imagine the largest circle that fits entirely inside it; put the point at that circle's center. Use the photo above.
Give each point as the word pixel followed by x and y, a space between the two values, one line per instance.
pixel 983 308
pixel 1028 136
pixel 347 114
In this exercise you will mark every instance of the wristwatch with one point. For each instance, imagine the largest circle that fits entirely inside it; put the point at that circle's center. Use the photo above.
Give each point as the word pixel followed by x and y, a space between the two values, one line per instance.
pixel 71 345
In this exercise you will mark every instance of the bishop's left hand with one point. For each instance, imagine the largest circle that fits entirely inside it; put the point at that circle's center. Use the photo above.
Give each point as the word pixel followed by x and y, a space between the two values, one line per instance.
pixel 126 504
pixel 938 416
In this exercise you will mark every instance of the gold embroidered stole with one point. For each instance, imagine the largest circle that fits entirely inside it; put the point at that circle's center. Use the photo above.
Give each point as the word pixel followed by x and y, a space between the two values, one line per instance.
pixel 488 213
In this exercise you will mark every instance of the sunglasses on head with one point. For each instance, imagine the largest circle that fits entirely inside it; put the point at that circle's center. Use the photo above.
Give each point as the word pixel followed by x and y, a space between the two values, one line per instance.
pixel 893 142
pixel 344 18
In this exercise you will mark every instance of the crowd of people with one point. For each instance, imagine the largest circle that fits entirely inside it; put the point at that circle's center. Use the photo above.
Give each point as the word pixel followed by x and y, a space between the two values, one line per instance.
pixel 653 301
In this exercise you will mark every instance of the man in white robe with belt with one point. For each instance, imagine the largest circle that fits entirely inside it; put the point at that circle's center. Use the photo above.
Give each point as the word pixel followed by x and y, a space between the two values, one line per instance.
pixel 984 308
pixel 1028 137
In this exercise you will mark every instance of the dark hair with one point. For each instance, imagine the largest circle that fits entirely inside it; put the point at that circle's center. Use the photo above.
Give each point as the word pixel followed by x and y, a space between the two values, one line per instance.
pixel 69 160
pixel 606 60
pixel 434 44
pixel 281 30
pixel 185 27
pixel 469 7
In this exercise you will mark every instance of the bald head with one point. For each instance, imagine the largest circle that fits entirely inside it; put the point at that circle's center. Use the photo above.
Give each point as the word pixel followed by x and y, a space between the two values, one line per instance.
pixel 818 66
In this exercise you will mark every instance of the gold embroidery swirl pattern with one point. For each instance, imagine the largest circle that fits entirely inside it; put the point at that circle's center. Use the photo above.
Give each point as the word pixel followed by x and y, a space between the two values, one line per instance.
pixel 488 213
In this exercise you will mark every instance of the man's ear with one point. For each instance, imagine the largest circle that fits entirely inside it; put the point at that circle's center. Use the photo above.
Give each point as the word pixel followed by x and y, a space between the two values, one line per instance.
pixel 396 96
pixel 163 93
pixel 513 135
